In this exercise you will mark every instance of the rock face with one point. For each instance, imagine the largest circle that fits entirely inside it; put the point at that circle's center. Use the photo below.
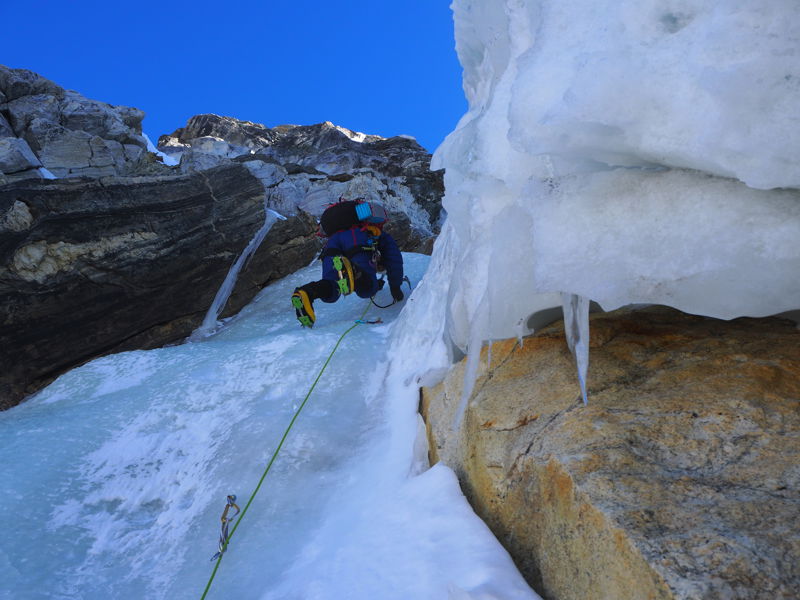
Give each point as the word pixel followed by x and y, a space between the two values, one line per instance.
pixel 680 478
pixel 124 252
pixel 92 266
pixel 308 167
pixel 44 125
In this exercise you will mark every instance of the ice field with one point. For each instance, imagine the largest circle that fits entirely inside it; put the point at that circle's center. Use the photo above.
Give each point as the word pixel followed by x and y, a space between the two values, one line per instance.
pixel 116 475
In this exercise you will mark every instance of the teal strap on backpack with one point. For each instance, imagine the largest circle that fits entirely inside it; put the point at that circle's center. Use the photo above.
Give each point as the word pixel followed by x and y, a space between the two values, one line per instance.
pixel 363 211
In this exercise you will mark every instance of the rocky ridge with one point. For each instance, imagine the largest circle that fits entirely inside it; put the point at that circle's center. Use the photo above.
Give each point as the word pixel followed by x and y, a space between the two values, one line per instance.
pixel 680 478
pixel 305 167
pixel 47 131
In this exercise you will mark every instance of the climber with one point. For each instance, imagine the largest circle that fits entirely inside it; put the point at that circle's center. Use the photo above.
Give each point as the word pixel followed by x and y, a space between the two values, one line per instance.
pixel 356 250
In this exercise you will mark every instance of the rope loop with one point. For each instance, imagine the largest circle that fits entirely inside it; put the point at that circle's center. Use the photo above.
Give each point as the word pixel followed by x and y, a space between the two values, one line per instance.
pixel 405 279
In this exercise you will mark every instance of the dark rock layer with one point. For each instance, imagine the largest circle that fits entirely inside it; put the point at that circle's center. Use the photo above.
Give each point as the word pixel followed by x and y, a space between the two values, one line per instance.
pixel 92 266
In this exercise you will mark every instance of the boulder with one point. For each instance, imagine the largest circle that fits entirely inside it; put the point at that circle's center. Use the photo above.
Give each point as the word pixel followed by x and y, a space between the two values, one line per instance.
pixel 27 109
pixel 68 153
pixel 5 126
pixel 93 266
pixel 122 124
pixel 16 83
pixel 680 478
pixel 16 155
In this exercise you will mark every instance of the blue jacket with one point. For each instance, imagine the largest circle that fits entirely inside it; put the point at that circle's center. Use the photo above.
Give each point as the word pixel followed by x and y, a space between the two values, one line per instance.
pixel 348 239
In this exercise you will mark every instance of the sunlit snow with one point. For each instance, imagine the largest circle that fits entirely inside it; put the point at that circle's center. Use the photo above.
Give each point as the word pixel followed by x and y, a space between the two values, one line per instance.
pixel 115 476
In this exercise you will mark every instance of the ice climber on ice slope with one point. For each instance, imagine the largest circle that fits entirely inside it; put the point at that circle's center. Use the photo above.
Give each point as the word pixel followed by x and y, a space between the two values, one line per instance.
pixel 355 251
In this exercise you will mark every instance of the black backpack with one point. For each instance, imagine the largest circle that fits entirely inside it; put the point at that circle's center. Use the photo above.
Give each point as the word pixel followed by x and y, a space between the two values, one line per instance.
pixel 351 213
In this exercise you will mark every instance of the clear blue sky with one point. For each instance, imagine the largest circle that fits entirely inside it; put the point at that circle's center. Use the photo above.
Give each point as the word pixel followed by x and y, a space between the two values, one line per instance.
pixel 378 67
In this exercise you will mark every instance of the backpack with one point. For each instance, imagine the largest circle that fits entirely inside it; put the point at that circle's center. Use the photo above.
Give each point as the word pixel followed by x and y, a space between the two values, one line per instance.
pixel 351 213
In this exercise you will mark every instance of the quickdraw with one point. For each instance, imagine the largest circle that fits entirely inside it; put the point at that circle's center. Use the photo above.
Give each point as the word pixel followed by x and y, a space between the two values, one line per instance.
pixel 223 534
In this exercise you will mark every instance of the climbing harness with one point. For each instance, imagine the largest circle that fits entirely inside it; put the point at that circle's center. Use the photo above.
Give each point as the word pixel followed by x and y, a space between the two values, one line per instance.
pixel 223 535
pixel 370 247
pixel 224 544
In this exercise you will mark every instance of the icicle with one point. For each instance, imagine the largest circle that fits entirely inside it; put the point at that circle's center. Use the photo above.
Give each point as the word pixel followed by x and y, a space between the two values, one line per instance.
pixel 477 331
pixel 576 327
pixel 224 292
pixel 470 376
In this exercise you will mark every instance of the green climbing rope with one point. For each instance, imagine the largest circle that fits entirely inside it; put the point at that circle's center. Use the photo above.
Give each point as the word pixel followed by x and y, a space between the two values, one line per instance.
pixel 224 546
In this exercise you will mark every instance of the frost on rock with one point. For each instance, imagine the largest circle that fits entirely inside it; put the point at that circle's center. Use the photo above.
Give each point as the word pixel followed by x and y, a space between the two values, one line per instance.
pixel 623 152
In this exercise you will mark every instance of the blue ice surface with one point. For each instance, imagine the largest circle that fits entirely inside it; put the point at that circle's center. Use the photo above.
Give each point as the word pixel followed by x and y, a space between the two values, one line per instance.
pixel 115 476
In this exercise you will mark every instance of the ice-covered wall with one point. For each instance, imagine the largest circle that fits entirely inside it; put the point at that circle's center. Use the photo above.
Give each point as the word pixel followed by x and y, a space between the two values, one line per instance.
pixel 634 151
pixel 625 152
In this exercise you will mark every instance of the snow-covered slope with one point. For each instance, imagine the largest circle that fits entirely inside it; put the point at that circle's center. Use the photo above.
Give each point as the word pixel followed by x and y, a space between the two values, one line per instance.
pixel 624 152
